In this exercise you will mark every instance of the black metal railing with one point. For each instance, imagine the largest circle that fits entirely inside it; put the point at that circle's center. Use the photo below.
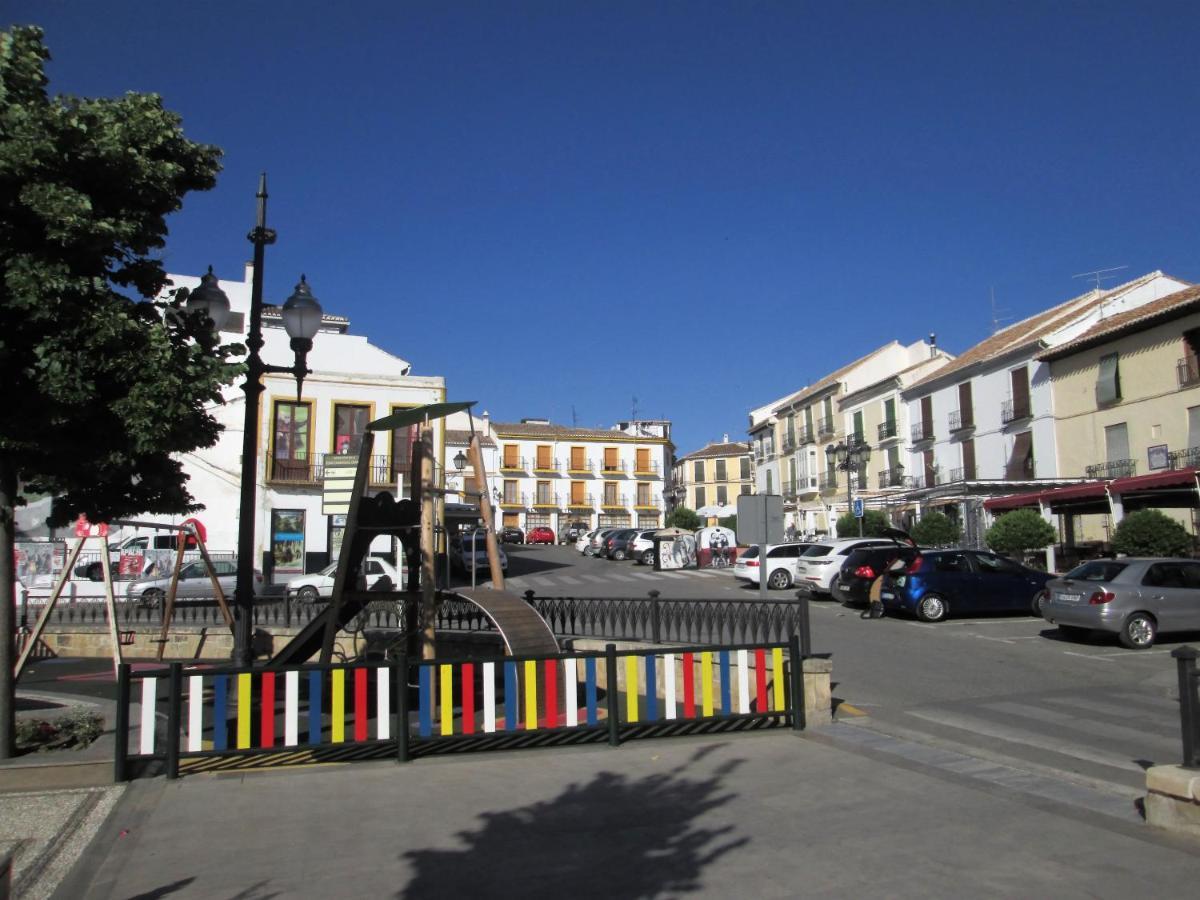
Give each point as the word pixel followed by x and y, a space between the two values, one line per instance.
pixel 805 435
pixel 1189 704
pixel 1184 459
pixel 547 500
pixel 888 430
pixel 646 468
pixel 547 465
pixel 1188 371
pixel 961 420
pixel 891 478
pixel 962 473
pixel 583 501
pixel 514 464
pixel 383 470
pixel 578 467
pixel 1012 411
pixel 788 443
pixel 825 427
pixel 514 499
pixel 789 490
pixel 612 468
pixel 921 431
pixel 1114 468
pixel 828 482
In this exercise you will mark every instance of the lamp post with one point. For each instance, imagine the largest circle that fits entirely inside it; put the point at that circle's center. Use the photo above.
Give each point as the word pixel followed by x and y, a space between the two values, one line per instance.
pixel 850 455
pixel 301 319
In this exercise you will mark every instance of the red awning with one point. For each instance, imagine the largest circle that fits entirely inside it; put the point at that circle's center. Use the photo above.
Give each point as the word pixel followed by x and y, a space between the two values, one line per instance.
pixel 1170 478
pixel 1013 501
pixel 1093 490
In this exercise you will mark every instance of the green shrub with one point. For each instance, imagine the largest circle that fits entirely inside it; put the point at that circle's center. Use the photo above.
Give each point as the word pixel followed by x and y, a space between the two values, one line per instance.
pixel 1020 530
pixel 1151 532
pixel 936 529
pixel 873 524
pixel 682 517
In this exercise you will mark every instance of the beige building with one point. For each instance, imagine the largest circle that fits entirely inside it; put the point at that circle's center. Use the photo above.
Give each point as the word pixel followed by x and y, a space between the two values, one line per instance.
pixel 714 475
pixel 554 475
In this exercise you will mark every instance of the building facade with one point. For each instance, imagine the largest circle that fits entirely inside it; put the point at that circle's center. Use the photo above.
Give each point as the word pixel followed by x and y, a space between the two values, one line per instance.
pixel 556 475
pixel 715 475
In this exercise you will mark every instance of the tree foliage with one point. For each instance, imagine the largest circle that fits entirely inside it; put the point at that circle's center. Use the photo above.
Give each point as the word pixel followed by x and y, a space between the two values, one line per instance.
pixel 874 522
pixel 104 383
pixel 936 529
pixel 1019 531
pixel 682 517
pixel 1151 532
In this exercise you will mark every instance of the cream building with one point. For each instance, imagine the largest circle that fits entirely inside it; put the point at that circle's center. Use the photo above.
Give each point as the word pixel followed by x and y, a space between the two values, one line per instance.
pixel 715 475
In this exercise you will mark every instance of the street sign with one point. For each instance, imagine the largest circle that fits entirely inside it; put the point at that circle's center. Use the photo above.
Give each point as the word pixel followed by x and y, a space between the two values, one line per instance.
pixel 338 484
pixel 760 519
pixel 858 507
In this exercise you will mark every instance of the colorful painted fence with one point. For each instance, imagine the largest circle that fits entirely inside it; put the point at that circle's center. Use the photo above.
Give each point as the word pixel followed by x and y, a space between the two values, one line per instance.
pixel 175 714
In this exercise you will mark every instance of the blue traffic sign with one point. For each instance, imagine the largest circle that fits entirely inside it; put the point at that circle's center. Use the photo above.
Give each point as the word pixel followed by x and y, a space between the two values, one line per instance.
pixel 858 508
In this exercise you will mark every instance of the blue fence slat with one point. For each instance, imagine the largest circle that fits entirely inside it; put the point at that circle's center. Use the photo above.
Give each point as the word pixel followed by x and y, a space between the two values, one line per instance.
pixel 511 714
pixel 589 669
pixel 424 713
pixel 651 689
pixel 315 680
pixel 726 695
pixel 220 712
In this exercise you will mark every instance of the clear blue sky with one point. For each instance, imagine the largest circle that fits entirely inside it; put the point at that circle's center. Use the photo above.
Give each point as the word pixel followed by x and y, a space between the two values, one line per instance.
pixel 704 205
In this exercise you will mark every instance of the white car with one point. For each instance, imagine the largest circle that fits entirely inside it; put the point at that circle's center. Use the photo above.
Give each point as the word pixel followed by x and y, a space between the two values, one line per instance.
pixel 641 547
pixel 820 563
pixel 781 564
pixel 469 551
pixel 319 585
pixel 596 541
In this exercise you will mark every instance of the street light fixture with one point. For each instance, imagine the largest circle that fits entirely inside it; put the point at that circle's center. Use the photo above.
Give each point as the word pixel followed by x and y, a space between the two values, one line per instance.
pixel 851 456
pixel 301 319
pixel 460 461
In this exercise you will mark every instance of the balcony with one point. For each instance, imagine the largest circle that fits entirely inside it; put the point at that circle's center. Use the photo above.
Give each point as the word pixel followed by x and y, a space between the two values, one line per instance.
pixel 514 464
pixel 646 469
pixel 1184 459
pixel 1012 411
pixel 805 435
pixel 891 478
pixel 789 490
pixel 581 467
pixel 614 501
pixel 382 471
pixel 962 474
pixel 648 502
pixel 547 467
pixel 921 431
pixel 828 482
pixel 1188 371
pixel 582 501
pixel 888 430
pixel 1114 468
pixel 788 443
pixel 514 500
pixel 826 427
pixel 961 420
pixel 547 500
pixel 613 469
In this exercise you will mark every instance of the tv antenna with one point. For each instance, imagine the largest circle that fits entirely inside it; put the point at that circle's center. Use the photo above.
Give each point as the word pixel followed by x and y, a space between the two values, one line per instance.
pixel 1100 274
pixel 633 410
pixel 574 418
pixel 997 319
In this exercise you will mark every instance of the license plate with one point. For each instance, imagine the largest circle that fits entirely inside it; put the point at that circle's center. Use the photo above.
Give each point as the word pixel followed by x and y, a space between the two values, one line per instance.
pixel 1060 597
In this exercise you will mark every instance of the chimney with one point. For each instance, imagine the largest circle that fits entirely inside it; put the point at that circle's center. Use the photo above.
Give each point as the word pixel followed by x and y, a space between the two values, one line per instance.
pixel 725 438
pixel 932 345
pixel 486 419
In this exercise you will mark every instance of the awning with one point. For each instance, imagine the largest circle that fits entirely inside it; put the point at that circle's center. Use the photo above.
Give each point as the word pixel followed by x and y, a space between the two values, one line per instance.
pixel 1013 501
pixel 1072 495
pixel 1169 478
pixel 1172 489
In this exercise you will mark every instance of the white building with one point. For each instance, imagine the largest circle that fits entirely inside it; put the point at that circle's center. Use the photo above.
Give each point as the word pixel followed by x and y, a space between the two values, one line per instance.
pixel 352 383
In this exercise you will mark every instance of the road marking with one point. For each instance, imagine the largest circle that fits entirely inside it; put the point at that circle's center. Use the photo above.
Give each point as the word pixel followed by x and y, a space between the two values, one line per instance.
pixel 1087 656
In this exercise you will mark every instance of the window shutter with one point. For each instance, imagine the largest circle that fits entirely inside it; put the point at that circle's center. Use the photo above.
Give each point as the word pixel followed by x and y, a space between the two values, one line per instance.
pixel 1108 385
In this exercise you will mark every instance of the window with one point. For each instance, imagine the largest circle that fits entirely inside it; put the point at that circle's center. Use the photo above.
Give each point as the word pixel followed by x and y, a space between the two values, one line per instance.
pixel 1108 385
pixel 791 430
pixel 968 460
pixel 349 426
pixel 1116 443
pixel 610 494
pixel 808 420
pixel 611 459
pixel 995 565
pixel 721 470
pixel 858 425
pixel 889 413
pixel 927 416
pixel 511 456
pixel 511 494
pixel 950 562
pixel 792 473
pixel 578 492
pixel 543 456
pixel 745 489
pixel 1193 426
pixel 698 472
pixel 930 468
pixel 1020 463
pixel 643 460
pixel 578 459
pixel 291 457
pixel 745 468
pixel 966 411
pixel 1020 392
pixel 643 495
pixel 403 439
pixel 770 483
pixel 722 495
pixel 700 496
pixel 545 494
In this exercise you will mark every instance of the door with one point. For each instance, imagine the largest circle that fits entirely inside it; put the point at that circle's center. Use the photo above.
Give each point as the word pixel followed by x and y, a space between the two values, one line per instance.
pixel 954 578
pixel 1171 592
pixel 1003 584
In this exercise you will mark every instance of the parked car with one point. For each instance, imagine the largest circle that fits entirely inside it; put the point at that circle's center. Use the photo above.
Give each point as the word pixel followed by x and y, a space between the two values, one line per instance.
pixel 781 564
pixel 469 551
pixel 1134 598
pixel 852 585
pixel 821 562
pixel 616 545
pixel 540 534
pixel 511 534
pixel 194 583
pixel 939 583
pixel 595 539
pixel 379 574
pixel 569 534
pixel 641 547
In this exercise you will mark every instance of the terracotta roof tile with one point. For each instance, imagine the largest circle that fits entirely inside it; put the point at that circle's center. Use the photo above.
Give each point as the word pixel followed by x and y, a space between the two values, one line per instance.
pixel 1145 316
pixel 524 429
pixel 462 437
pixel 826 382
pixel 733 448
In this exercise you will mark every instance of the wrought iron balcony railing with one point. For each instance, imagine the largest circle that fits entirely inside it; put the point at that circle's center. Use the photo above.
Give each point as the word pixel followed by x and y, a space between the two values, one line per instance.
pixel 888 430
pixel 582 501
pixel 547 500
pixel 828 482
pixel 962 474
pixel 514 464
pixel 789 490
pixel 1012 411
pixel 514 498
pixel 581 467
pixel 383 470
pixel 1114 468
pixel 826 427
pixel 1188 371
pixel 961 419
pixel 805 435
pixel 891 478
pixel 1184 459
pixel 921 431
pixel 613 468
pixel 614 501
pixel 547 465
pixel 648 501
pixel 788 444
pixel 646 468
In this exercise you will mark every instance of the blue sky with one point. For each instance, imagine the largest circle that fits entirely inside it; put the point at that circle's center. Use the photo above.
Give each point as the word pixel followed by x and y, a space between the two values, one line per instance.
pixel 703 205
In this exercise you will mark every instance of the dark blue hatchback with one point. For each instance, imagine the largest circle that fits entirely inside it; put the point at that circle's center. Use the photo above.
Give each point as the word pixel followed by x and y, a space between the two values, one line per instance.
pixel 939 583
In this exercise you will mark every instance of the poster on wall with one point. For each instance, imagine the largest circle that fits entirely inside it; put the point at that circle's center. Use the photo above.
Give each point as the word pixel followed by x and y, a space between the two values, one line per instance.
pixel 287 541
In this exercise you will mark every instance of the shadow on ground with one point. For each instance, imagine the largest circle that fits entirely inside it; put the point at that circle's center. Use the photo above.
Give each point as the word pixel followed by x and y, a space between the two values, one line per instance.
pixel 613 835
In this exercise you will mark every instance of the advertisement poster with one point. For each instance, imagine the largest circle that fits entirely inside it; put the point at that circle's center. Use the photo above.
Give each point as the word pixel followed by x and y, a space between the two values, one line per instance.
pixel 37 562
pixel 287 541
pixel 716 547
pixel 679 553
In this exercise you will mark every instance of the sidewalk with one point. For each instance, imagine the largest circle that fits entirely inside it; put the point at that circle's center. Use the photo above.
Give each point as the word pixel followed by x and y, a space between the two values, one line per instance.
pixel 772 815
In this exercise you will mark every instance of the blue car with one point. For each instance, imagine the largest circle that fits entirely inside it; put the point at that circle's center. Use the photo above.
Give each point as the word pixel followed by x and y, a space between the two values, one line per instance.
pixel 939 583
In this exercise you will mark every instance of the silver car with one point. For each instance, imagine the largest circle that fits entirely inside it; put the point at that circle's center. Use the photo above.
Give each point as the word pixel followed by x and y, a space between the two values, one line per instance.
pixel 194 583
pixel 1132 598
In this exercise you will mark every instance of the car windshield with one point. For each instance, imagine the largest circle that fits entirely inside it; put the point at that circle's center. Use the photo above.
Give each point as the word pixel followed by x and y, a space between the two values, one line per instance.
pixel 751 552
pixel 818 550
pixel 1097 570
pixel 329 569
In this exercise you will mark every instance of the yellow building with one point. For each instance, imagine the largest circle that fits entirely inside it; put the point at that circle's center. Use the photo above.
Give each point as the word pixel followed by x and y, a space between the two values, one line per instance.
pixel 714 475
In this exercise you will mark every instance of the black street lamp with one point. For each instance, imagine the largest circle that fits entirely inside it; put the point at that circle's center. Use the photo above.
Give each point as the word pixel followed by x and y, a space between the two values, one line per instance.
pixel 301 319
pixel 850 456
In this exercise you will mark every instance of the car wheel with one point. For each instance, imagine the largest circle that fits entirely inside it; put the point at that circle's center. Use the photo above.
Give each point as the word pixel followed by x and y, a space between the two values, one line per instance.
pixel 648 557
pixel 1138 632
pixel 932 608
pixel 618 555
pixel 153 599
pixel 588 551
pixel 779 580
pixel 1038 606
pixel 307 594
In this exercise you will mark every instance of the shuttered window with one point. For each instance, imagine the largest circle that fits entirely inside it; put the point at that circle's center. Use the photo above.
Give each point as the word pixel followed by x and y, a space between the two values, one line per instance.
pixel 1116 443
pixel 968 460
pixel 1108 384
pixel 1020 462
pixel 927 417
pixel 966 411
pixel 1020 392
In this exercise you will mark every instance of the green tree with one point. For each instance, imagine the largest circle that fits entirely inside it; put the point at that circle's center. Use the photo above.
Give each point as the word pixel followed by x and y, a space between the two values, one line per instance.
pixel 936 529
pixel 682 517
pixel 1150 532
pixel 1018 531
pixel 104 384
pixel 873 523
pixel 729 522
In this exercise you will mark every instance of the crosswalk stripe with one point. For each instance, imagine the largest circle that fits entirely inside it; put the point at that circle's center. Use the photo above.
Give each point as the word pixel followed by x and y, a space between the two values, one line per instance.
pixel 1075 723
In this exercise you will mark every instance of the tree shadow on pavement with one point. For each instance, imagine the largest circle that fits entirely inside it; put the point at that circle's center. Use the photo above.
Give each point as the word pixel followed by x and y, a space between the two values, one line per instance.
pixel 613 836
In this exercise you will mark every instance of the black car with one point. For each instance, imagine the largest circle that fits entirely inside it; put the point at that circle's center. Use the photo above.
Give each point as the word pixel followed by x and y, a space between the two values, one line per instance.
pixel 512 535
pixel 853 583
pixel 616 545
